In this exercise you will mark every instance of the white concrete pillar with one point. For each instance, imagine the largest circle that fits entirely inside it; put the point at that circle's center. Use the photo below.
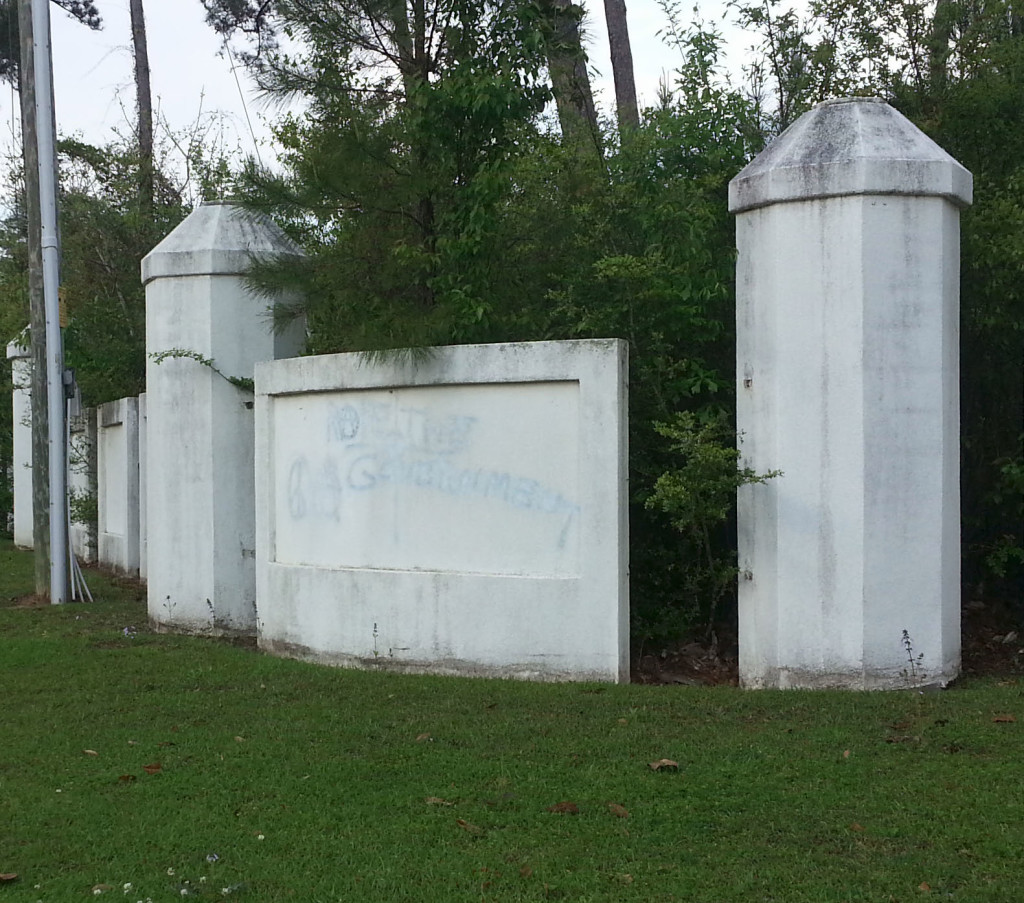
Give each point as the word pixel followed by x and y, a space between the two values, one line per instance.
pixel 19 353
pixel 847 377
pixel 117 466
pixel 201 521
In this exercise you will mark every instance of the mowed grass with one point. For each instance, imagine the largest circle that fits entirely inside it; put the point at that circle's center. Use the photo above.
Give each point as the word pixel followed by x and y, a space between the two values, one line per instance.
pixel 273 780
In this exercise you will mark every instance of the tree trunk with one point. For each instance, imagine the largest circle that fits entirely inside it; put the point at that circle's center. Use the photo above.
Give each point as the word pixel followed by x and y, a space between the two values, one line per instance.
pixel 409 24
pixel 37 307
pixel 570 82
pixel 622 67
pixel 938 44
pixel 399 16
pixel 144 102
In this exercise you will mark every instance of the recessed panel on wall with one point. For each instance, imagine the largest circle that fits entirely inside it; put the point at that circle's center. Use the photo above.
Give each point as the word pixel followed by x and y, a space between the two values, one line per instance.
pixel 477 479
pixel 117 470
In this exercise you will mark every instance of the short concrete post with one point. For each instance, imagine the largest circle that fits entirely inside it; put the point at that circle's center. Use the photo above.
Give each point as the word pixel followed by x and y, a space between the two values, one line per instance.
pixel 19 353
pixel 203 329
pixel 847 372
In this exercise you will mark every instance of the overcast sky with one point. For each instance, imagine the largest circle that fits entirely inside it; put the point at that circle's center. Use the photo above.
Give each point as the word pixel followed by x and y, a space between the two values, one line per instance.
pixel 192 76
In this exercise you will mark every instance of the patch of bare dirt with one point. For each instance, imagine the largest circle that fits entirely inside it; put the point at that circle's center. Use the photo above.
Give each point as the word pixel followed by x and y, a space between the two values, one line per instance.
pixel 993 640
pixel 31 601
pixel 993 645
pixel 709 664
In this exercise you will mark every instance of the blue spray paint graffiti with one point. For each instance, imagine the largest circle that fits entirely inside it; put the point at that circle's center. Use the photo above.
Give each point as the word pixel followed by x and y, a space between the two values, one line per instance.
pixel 375 445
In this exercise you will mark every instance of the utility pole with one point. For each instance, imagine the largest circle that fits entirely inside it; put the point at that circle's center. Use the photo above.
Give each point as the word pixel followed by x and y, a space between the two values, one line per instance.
pixel 37 306
pixel 40 139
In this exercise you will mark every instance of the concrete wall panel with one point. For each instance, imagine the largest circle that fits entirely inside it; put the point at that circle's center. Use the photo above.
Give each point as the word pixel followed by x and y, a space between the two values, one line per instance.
pixel 20 356
pixel 463 514
pixel 117 461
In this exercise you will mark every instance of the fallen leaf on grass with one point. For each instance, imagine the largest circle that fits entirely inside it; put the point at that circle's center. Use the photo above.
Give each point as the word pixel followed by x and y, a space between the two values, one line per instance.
pixel 476 830
pixel 623 721
pixel 856 827
pixel 846 754
pixel 7 877
pixel 422 737
pixel 565 808
pixel 89 752
pixel 664 765
pixel 1004 719
pixel 240 739
pixel 127 778
pixel 925 886
pixel 618 810
pixel 437 801
pixel 153 768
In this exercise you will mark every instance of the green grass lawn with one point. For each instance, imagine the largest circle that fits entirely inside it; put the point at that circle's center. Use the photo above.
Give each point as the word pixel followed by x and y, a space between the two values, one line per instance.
pixel 194 768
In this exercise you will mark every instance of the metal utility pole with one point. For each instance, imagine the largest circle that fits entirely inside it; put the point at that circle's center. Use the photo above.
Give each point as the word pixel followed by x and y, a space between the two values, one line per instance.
pixel 40 137
pixel 37 306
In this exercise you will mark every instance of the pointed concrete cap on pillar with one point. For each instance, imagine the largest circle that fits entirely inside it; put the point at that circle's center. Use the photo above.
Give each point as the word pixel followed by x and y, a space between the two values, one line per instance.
pixel 20 347
pixel 854 145
pixel 218 238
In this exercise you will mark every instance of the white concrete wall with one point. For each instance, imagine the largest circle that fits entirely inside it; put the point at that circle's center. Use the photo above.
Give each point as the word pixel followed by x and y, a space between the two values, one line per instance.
pixel 143 511
pixel 462 514
pixel 117 464
pixel 82 480
pixel 200 493
pixel 20 357
pixel 847 373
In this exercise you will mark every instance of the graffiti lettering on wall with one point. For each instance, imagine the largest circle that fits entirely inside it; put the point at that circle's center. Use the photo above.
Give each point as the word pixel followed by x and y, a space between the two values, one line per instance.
pixel 373 446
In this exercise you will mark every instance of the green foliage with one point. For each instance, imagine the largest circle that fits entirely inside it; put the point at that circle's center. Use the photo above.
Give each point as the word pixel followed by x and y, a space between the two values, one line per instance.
pixel 104 236
pixel 84 507
pixel 699 495
pixel 700 492
pixel 526 238
pixel 240 382
pixel 393 177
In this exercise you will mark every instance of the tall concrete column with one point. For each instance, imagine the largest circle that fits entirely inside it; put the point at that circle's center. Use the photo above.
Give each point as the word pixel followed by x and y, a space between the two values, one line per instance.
pixel 204 328
pixel 848 383
pixel 19 353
